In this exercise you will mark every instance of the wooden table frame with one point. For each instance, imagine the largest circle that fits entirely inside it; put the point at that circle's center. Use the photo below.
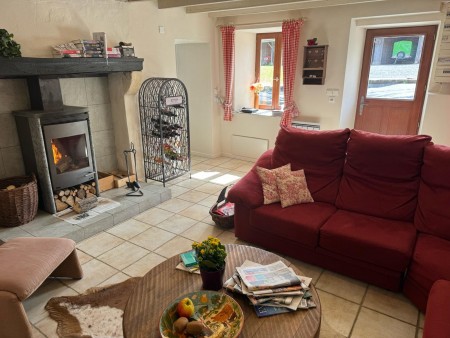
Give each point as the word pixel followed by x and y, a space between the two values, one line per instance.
pixel 161 285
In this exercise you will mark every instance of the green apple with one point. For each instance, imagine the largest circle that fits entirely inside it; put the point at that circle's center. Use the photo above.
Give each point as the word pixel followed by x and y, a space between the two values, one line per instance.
pixel 185 308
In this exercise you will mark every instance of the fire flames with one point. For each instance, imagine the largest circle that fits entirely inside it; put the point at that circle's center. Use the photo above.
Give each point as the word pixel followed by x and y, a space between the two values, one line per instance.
pixel 56 154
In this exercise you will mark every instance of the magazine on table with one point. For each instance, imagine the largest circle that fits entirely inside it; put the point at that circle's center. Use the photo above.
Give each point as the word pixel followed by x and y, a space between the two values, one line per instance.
pixel 270 276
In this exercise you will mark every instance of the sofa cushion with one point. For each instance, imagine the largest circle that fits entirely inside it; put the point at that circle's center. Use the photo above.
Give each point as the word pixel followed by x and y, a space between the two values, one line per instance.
pixel 268 179
pixel 433 211
pixel 300 222
pixel 386 243
pixel 381 175
pixel 437 323
pixel 430 260
pixel 320 153
pixel 292 188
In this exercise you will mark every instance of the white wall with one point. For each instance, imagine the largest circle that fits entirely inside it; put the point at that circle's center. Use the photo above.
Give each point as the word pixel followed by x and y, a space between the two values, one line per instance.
pixel 335 26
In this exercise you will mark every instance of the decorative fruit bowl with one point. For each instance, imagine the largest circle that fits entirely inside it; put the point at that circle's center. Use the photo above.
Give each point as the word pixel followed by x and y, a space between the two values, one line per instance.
pixel 220 315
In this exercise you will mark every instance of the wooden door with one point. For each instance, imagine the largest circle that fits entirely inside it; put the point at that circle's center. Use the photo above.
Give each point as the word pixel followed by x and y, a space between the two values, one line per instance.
pixel 394 76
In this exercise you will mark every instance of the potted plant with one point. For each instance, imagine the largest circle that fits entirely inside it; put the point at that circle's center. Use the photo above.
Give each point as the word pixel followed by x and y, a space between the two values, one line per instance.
pixel 211 256
pixel 8 47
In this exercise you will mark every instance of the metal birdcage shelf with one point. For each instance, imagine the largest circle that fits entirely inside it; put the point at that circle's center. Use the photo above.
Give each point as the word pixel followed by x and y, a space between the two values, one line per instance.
pixel 164 115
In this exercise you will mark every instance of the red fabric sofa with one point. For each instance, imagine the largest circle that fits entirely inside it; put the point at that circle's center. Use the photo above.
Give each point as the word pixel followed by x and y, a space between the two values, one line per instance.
pixel 437 324
pixel 381 212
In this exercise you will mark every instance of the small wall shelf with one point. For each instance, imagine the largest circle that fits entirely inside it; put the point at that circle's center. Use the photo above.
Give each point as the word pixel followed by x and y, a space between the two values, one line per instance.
pixel 314 64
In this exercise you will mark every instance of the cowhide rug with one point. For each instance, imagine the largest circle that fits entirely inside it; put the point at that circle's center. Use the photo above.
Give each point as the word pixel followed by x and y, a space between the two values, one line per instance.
pixel 96 313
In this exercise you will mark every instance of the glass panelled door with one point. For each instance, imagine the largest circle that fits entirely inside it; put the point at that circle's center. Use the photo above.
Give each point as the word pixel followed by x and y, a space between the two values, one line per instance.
pixel 395 71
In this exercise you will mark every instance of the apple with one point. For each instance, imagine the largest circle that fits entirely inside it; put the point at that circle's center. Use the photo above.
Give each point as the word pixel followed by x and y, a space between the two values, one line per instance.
pixel 185 308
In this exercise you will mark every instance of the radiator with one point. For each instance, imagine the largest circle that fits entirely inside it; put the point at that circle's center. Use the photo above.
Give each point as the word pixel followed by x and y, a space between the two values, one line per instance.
pixel 251 147
pixel 306 125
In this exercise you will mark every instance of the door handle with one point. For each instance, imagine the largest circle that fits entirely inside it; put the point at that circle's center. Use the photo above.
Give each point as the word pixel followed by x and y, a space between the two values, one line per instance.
pixel 361 105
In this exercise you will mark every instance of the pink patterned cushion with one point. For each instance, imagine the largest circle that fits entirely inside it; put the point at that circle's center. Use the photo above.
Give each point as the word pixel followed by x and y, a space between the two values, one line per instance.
pixel 293 188
pixel 269 182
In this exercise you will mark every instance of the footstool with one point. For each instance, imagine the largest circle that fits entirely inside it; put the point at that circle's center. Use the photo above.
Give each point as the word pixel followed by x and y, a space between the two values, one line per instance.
pixel 25 263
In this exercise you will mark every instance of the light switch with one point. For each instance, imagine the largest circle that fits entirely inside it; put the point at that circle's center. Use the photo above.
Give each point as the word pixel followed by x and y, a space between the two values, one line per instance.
pixel 162 29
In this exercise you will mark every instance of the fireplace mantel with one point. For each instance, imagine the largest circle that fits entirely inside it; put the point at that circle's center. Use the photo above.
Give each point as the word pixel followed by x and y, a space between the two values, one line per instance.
pixel 24 67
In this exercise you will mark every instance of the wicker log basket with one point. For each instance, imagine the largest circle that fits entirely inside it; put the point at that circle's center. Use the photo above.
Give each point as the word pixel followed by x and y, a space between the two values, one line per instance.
pixel 221 221
pixel 18 206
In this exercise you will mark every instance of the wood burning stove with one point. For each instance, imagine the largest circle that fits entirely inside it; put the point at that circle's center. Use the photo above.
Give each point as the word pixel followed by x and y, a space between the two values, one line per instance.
pixel 56 145
pixel 68 149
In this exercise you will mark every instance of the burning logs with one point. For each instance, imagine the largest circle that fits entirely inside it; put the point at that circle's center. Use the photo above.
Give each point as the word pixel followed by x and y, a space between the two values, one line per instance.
pixel 69 197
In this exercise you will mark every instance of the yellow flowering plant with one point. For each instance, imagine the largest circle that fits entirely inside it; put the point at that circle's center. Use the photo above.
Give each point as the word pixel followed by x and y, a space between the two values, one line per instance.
pixel 210 254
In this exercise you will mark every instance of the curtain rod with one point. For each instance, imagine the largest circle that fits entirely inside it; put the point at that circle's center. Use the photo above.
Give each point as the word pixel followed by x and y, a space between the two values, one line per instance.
pixel 258 23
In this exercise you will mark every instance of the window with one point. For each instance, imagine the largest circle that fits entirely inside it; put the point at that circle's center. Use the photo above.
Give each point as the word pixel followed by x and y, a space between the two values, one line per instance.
pixel 269 71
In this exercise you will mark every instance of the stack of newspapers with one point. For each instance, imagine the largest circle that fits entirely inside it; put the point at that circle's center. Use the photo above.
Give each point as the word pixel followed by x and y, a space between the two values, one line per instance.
pixel 272 289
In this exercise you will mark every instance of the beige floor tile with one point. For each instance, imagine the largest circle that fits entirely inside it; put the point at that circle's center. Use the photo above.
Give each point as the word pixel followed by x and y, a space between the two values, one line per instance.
pixel 35 304
pixel 144 265
pixel 198 159
pixel 95 273
pixel 152 238
pixel 123 255
pixel 202 166
pixel 392 304
pixel 153 216
pixel 83 257
pixel 177 224
pixel 245 167
pixel 117 278
pixel 35 333
pixel 308 270
pixel 226 179
pixel 177 190
pixel 327 331
pixel 208 220
pixel 210 188
pixel 174 247
pixel 197 212
pixel 175 205
pixel 99 244
pixel 193 196
pixel 376 325
pixel 209 201
pixel 338 313
pixel 190 183
pixel 47 326
pixel 342 286
pixel 228 237
pixel 233 164
pixel 200 231
pixel 128 229
pixel 420 333
pixel 421 320
pixel 218 160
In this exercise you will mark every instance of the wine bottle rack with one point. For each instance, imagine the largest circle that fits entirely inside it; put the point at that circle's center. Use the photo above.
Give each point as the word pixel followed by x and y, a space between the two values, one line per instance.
pixel 164 116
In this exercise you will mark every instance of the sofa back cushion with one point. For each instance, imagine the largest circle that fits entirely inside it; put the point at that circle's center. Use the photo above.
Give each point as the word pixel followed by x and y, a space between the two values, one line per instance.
pixel 433 210
pixel 382 174
pixel 320 153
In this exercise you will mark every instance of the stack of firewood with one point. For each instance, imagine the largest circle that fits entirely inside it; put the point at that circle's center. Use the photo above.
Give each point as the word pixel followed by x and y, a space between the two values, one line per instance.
pixel 68 197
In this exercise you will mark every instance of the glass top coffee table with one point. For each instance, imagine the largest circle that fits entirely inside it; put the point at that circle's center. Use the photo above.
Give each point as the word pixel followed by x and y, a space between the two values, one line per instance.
pixel 164 283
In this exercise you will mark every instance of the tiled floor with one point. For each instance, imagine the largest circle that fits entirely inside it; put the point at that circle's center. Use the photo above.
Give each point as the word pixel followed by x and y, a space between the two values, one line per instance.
pixel 350 308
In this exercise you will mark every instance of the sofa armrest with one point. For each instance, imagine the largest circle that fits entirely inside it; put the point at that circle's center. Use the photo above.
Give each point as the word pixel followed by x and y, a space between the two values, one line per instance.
pixel 437 323
pixel 248 190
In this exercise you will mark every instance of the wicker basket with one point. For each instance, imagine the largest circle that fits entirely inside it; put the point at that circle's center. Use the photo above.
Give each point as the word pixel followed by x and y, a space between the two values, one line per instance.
pixel 221 221
pixel 18 206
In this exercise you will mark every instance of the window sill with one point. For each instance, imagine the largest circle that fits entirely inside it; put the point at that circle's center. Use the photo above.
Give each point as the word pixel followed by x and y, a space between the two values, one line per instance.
pixel 263 112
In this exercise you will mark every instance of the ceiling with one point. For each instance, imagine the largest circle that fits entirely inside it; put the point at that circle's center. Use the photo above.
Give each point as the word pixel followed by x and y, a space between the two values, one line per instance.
pixel 221 8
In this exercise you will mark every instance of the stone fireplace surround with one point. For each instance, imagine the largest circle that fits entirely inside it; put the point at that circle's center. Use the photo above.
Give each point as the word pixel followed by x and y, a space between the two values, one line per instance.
pixel 108 93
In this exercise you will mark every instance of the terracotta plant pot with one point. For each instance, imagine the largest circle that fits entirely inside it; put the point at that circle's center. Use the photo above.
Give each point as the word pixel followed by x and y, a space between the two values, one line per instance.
pixel 212 280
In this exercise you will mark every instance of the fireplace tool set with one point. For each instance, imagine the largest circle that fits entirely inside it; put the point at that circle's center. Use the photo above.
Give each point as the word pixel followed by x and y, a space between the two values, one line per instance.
pixel 134 186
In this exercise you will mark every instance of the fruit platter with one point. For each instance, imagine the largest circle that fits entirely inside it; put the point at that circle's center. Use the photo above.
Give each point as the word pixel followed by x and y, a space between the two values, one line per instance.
pixel 202 314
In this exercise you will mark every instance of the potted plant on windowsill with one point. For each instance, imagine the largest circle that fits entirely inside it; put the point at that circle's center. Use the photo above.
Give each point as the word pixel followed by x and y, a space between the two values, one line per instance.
pixel 211 256
pixel 8 47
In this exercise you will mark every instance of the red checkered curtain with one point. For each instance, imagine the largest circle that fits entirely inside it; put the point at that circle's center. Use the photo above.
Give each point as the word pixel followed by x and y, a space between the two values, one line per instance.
pixel 228 66
pixel 291 38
